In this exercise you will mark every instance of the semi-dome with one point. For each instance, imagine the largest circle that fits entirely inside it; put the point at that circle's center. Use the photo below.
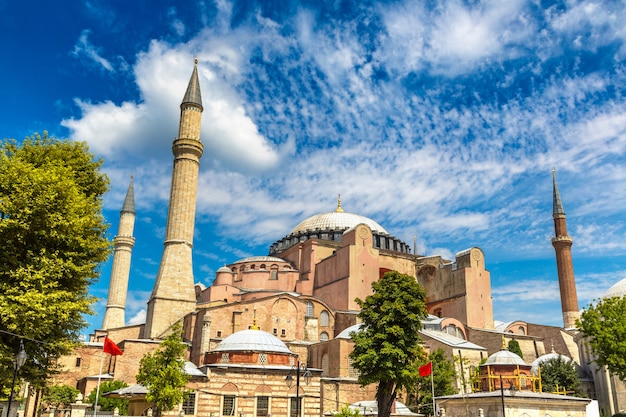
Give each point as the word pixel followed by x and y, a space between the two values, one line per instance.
pixel 504 357
pixel 346 333
pixel 252 340
pixel 259 259
pixel 617 290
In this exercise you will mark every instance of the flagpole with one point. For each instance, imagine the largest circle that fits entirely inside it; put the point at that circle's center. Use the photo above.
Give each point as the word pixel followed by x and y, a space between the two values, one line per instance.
pixel 432 387
pixel 95 406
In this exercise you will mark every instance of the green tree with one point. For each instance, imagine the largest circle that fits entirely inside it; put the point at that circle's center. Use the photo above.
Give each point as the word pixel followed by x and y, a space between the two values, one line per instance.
pixel 386 347
pixel 604 326
pixel 560 373
pixel 515 348
pixel 419 395
pixel 346 411
pixel 52 240
pixel 163 373
pixel 60 396
pixel 107 403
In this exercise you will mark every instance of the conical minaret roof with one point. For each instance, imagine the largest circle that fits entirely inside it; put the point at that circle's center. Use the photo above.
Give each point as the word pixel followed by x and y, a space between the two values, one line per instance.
pixel 193 95
pixel 129 201
pixel 557 205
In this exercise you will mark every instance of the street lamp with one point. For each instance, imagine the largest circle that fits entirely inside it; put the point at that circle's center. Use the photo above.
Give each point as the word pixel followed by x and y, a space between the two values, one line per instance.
pixel 18 362
pixel 289 381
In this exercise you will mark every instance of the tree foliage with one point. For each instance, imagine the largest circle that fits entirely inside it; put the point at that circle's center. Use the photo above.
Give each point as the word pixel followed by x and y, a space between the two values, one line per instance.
pixel 346 411
pixel 419 395
pixel 604 326
pixel 52 240
pixel 515 348
pixel 163 373
pixel 559 373
pixel 60 396
pixel 387 346
pixel 107 403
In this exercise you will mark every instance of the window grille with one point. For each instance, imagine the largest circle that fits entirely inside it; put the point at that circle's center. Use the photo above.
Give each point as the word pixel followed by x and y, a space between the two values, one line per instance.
pixel 228 405
pixel 189 404
pixel 262 406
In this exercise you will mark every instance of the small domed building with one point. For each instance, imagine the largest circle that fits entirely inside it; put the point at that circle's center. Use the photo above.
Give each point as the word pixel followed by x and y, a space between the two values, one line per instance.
pixel 506 370
pixel 249 373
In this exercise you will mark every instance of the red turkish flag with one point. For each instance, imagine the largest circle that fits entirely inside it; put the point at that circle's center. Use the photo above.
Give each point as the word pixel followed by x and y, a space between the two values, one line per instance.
pixel 426 370
pixel 110 347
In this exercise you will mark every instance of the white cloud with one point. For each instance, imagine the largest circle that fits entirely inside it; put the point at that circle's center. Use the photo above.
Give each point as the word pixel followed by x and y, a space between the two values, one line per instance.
pixel 84 48
pixel 229 135
pixel 138 318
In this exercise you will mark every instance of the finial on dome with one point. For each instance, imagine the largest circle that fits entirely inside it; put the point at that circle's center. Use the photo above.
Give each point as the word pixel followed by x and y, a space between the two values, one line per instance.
pixel 339 209
pixel 254 326
pixel 504 346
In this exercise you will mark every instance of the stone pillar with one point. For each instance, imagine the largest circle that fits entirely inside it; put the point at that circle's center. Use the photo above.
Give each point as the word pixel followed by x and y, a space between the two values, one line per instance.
pixel 79 409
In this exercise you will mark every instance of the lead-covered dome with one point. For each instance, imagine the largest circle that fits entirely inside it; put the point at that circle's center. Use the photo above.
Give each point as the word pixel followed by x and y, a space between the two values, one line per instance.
pixel 617 290
pixel 252 340
pixel 331 226
pixel 504 357
pixel 336 220
pixel 547 357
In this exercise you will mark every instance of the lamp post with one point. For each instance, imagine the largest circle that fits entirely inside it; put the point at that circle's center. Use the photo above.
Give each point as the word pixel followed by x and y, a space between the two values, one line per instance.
pixel 289 381
pixel 18 362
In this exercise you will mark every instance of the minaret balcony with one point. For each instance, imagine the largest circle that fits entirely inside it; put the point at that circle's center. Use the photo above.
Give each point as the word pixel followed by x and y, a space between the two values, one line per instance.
pixel 562 239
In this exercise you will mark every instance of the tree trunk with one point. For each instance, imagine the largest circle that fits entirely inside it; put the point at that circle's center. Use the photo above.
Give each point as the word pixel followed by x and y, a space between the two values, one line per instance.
pixel 385 396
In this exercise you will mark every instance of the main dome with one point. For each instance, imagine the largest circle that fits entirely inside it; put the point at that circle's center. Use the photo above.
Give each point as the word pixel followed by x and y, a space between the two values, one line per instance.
pixel 331 226
pixel 336 220
pixel 617 290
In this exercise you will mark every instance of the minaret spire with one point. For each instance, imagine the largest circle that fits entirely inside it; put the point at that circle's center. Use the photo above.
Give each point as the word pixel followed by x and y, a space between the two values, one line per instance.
pixel 173 295
pixel 557 205
pixel 120 269
pixel 562 244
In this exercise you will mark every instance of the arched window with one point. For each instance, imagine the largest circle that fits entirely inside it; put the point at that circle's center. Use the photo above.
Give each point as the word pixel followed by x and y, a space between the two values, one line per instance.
pixel 323 337
pixel 309 309
pixel 521 330
pixel 325 364
pixel 324 319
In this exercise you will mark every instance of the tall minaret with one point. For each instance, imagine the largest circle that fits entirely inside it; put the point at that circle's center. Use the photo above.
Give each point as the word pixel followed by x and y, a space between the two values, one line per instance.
pixel 120 270
pixel 563 246
pixel 173 294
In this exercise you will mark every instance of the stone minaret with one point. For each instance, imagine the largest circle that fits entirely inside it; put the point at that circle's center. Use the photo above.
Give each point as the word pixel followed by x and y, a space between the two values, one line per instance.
pixel 173 294
pixel 120 270
pixel 563 246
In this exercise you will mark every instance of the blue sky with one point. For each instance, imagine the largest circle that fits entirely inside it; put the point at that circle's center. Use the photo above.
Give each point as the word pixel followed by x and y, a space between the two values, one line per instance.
pixel 440 120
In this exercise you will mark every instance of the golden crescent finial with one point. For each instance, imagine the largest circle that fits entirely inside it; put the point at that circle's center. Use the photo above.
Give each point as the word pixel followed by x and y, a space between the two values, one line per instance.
pixel 339 209
pixel 254 325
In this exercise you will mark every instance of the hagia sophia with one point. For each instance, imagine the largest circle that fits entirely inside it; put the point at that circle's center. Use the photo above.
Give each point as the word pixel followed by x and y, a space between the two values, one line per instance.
pixel 267 317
